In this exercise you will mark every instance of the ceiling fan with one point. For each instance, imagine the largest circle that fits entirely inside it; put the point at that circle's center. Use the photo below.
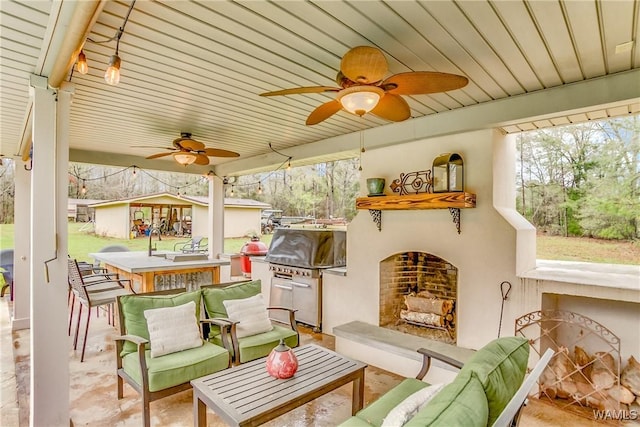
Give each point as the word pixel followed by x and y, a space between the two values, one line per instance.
pixel 363 90
pixel 187 150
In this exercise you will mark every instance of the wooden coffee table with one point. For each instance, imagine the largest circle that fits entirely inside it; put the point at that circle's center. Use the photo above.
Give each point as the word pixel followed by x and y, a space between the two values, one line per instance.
pixel 246 395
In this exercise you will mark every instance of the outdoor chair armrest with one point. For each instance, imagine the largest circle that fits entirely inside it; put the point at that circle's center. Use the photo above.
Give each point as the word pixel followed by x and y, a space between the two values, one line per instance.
pixel 132 338
pixel 140 342
pixel 426 361
pixel 225 329
pixel 101 276
pixel 102 282
pixel 292 316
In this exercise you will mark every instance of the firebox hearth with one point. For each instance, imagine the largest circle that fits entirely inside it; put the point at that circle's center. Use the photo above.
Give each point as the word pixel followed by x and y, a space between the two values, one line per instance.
pixel 418 295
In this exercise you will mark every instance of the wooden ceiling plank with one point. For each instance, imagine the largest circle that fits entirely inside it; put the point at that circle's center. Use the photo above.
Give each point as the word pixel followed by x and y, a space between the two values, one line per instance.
pixel 549 18
pixel 582 18
pixel 525 33
pixel 618 19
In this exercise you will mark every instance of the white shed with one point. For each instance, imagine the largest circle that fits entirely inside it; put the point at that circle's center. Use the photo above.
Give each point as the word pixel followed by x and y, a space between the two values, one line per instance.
pixel 182 215
pixel 241 216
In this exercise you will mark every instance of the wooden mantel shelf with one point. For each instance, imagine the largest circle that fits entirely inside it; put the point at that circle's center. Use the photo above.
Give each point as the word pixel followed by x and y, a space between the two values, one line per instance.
pixel 418 201
pixel 452 201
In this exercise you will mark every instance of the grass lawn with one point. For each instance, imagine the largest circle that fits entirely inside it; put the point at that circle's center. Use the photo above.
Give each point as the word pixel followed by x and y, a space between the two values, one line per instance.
pixel 548 247
pixel 82 243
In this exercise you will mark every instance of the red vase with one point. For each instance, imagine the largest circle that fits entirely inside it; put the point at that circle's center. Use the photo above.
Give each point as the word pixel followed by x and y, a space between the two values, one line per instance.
pixel 282 362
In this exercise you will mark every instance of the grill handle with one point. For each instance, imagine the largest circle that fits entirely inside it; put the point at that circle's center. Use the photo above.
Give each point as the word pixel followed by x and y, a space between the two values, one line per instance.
pixel 300 285
pixel 287 288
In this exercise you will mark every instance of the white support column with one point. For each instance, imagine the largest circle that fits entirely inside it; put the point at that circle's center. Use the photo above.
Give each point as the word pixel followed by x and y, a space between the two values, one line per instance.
pixel 21 318
pixel 49 385
pixel 216 217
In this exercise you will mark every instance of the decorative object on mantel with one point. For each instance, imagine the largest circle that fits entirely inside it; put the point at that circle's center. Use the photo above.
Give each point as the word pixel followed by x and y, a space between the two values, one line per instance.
pixel 375 186
pixel 448 173
pixel 282 362
pixel 412 183
pixel 414 190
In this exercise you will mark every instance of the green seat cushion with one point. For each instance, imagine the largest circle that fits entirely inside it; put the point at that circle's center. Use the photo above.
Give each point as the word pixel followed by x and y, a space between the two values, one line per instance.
pixel 179 367
pixel 355 422
pixel 133 307
pixel 213 296
pixel 260 345
pixel 500 366
pixel 374 413
pixel 461 403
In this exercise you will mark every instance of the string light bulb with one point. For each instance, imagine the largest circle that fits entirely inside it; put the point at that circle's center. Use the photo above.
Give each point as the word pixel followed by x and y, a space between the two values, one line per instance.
pixel 134 173
pixel 232 187
pixel 84 188
pixel 112 75
pixel 289 164
pixel 259 187
pixel 81 66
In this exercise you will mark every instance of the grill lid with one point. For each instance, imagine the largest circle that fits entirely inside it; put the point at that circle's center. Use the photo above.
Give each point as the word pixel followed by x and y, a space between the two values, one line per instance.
pixel 308 248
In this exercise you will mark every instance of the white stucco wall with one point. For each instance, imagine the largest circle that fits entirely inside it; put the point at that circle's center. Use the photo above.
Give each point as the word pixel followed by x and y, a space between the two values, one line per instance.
pixel 484 253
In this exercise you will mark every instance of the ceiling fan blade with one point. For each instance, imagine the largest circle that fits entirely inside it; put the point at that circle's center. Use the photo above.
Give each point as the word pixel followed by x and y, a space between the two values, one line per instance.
pixel 423 82
pixel 155 156
pixel 392 107
pixel 151 146
pixel 201 159
pixel 323 112
pixel 295 90
pixel 216 152
pixel 189 144
pixel 364 64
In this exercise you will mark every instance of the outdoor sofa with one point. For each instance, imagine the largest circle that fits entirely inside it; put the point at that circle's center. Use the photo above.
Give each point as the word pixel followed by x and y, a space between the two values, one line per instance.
pixel 488 383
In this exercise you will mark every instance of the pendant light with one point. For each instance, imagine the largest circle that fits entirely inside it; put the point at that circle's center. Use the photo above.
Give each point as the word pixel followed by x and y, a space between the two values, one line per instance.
pixel 81 65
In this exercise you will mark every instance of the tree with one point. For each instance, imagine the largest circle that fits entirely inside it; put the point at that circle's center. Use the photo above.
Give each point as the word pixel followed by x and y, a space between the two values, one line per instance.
pixel 582 179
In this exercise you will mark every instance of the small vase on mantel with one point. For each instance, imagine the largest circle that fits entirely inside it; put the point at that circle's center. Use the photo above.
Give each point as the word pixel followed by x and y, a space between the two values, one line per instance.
pixel 282 362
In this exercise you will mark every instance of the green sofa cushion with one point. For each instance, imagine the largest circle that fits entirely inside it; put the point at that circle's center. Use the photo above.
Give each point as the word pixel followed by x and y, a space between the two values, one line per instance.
pixel 179 367
pixel 374 413
pixel 461 403
pixel 251 347
pixel 133 307
pixel 213 296
pixel 500 366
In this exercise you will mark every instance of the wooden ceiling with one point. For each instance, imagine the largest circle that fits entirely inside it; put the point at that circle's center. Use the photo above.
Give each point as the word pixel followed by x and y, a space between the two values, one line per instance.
pixel 198 66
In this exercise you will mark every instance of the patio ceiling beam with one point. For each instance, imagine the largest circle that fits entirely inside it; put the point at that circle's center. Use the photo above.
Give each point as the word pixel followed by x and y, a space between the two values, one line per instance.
pixel 68 27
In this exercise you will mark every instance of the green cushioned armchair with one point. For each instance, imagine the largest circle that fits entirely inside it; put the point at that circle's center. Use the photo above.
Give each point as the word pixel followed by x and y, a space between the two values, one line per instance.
pixel 251 347
pixel 160 376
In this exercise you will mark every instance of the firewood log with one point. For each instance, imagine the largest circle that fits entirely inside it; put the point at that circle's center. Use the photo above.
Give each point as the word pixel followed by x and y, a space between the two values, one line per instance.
pixel 603 374
pixel 630 377
pixel 583 363
pixel 424 318
pixel 428 305
pixel 556 372
pixel 621 394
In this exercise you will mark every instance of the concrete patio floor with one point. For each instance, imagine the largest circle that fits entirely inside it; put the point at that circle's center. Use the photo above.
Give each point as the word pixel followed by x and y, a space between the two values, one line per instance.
pixel 93 389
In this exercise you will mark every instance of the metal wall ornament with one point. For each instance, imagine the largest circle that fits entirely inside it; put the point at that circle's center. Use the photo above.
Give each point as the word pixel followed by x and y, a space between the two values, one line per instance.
pixel 448 173
pixel 412 183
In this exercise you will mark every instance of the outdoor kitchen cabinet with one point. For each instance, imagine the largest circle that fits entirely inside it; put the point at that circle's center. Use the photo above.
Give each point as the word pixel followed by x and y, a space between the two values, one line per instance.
pixel 301 295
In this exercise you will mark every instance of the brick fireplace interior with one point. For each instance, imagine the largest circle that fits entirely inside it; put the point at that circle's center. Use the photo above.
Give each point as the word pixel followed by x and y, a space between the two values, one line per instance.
pixel 418 295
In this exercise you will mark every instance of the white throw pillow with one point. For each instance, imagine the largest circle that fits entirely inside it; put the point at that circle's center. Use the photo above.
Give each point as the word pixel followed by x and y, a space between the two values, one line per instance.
pixel 410 406
pixel 173 329
pixel 251 313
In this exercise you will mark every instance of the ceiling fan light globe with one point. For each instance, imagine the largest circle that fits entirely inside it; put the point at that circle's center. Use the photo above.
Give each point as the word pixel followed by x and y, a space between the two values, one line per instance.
pixel 112 75
pixel 185 158
pixel 360 100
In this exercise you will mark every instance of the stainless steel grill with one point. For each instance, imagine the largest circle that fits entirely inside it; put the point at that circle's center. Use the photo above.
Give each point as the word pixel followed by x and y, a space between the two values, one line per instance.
pixel 297 259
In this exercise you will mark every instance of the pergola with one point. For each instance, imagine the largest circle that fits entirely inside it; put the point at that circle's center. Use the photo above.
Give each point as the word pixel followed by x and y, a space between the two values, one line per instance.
pixel 198 67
